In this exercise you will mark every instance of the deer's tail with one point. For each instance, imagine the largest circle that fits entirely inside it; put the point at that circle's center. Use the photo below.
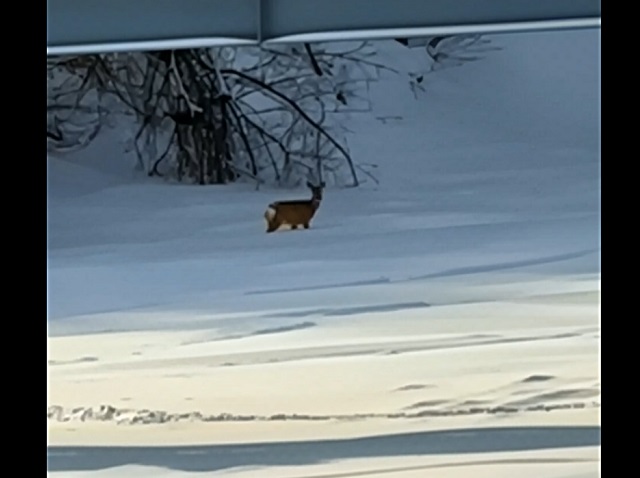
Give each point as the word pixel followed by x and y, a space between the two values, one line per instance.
pixel 270 213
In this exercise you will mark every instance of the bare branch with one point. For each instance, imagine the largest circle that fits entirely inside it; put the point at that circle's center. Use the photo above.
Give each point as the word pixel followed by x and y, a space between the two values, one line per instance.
pixel 243 135
pixel 289 102
pixel 154 169
pixel 312 58
pixel 177 83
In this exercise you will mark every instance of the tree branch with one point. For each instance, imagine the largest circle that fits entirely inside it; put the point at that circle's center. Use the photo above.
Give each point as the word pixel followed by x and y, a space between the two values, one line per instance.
pixel 244 138
pixel 290 102
pixel 154 169
pixel 312 58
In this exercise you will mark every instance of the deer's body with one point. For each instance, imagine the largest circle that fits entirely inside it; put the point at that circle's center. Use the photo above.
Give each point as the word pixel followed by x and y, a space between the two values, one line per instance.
pixel 294 213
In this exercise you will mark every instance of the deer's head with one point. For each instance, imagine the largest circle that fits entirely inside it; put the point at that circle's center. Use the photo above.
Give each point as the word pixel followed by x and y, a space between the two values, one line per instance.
pixel 316 191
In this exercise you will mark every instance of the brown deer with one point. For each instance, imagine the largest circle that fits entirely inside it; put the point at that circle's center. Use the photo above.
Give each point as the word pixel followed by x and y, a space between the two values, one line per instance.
pixel 294 213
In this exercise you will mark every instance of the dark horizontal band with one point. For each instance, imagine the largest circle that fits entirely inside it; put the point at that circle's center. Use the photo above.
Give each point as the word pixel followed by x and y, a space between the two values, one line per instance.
pixel 90 26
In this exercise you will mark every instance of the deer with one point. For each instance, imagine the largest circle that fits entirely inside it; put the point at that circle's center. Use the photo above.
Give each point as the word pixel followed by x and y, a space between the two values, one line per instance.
pixel 296 212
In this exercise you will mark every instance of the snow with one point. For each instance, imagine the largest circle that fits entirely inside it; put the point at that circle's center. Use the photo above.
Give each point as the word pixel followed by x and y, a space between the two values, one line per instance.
pixel 471 267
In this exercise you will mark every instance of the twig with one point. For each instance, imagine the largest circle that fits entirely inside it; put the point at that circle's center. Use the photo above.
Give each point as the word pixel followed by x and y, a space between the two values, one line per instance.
pixel 293 104
pixel 264 133
pixel 367 173
pixel 312 58
pixel 154 169
pixel 244 138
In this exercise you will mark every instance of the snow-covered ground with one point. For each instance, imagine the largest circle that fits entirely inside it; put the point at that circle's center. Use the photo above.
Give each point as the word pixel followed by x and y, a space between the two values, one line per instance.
pixel 445 321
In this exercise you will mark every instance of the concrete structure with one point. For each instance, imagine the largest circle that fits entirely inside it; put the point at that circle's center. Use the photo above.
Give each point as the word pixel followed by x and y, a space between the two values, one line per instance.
pixel 90 26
